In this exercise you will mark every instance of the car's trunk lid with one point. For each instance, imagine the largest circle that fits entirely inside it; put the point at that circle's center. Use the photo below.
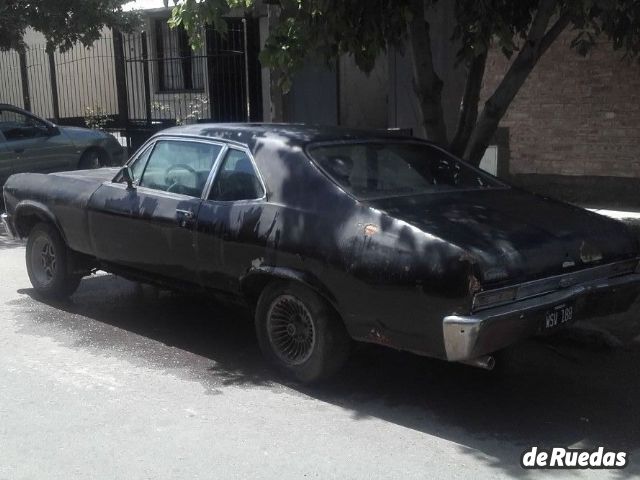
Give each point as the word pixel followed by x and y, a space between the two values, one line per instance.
pixel 514 235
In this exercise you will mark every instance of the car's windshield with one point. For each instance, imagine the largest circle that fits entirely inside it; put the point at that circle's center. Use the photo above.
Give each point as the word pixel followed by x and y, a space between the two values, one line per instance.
pixel 377 169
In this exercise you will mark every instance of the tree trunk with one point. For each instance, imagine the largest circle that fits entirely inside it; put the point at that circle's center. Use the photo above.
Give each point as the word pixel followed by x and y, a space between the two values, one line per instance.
pixel 428 86
pixel 537 43
pixel 469 106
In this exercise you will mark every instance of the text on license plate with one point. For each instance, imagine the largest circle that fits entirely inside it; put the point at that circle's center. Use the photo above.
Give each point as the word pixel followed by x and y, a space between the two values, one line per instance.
pixel 558 315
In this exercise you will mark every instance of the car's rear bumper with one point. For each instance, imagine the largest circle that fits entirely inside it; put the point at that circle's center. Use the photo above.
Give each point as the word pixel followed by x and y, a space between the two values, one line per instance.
pixel 469 337
pixel 6 223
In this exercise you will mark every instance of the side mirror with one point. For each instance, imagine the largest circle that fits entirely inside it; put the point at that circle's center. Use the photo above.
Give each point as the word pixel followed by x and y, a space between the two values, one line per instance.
pixel 52 130
pixel 127 176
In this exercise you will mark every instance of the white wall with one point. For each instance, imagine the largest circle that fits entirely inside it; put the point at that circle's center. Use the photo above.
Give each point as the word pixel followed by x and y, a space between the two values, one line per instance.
pixel 10 83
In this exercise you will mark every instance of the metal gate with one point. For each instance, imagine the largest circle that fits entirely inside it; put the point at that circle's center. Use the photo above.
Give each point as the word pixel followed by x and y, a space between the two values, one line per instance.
pixel 139 83
pixel 169 83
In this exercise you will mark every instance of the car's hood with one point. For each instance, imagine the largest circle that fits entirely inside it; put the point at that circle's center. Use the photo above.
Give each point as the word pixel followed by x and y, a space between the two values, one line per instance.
pixel 98 175
pixel 83 136
pixel 79 133
pixel 516 233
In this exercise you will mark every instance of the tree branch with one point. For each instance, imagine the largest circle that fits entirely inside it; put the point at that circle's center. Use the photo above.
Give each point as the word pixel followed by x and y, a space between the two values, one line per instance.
pixel 553 33
pixel 469 106
pixel 428 85
pixel 538 41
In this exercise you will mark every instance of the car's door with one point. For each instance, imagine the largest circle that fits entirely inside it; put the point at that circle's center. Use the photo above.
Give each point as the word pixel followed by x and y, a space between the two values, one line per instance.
pixel 229 232
pixel 150 227
pixel 35 145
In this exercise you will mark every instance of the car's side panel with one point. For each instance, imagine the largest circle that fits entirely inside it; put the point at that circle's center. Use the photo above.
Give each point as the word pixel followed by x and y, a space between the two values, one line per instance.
pixel 145 229
pixel 230 238
pixel 43 154
pixel 374 265
pixel 66 198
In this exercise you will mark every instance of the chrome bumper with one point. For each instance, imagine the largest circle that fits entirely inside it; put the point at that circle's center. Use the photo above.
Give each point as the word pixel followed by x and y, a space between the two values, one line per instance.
pixel 7 226
pixel 468 337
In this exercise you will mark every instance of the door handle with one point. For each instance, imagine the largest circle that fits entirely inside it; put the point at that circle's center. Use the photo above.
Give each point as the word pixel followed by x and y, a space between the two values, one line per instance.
pixel 188 214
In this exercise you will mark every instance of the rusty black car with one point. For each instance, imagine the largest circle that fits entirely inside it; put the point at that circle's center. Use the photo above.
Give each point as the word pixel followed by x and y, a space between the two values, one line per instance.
pixel 330 235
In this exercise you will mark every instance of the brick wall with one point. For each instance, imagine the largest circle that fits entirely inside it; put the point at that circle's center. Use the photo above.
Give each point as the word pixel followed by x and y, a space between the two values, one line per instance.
pixel 574 116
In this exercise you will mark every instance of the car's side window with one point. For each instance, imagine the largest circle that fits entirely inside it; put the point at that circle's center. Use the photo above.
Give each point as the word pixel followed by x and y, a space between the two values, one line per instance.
pixel 236 179
pixel 137 167
pixel 179 166
pixel 17 126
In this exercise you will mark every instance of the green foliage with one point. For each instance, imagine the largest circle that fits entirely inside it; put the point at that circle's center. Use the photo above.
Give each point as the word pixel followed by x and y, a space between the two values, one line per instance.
pixel 62 22
pixel 326 29
pixel 192 15
pixel 195 110
pixel 96 118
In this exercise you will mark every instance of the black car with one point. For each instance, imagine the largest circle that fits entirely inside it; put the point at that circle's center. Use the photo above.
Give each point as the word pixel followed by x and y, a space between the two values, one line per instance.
pixel 330 235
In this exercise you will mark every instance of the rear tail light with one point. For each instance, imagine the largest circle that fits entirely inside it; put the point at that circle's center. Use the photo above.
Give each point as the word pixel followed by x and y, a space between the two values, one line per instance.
pixel 494 298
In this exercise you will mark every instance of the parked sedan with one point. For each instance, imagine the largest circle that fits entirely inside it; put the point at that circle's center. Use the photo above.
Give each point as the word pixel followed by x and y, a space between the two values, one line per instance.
pixel 32 144
pixel 330 235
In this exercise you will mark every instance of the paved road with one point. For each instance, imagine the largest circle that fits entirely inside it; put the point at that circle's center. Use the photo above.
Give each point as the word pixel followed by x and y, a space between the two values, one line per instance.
pixel 126 382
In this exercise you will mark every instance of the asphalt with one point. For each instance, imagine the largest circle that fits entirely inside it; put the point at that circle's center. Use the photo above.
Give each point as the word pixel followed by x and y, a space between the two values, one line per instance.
pixel 128 382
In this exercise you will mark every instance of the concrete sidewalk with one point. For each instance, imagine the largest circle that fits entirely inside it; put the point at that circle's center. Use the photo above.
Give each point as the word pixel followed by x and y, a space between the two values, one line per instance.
pixel 617 214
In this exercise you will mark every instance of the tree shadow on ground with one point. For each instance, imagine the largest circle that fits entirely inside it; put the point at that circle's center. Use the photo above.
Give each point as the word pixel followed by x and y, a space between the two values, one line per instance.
pixel 552 393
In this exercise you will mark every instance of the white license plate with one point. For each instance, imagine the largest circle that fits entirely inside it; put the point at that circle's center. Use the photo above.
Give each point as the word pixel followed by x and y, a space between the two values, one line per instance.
pixel 557 316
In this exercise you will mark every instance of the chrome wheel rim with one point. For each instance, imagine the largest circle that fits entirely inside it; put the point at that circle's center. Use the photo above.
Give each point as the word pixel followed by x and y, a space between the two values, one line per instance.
pixel 43 260
pixel 291 330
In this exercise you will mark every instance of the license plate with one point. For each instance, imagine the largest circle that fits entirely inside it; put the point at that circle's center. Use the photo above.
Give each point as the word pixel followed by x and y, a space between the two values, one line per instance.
pixel 557 316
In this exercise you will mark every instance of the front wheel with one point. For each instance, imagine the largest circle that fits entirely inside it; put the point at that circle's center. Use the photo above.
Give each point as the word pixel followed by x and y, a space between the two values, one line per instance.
pixel 300 333
pixel 46 258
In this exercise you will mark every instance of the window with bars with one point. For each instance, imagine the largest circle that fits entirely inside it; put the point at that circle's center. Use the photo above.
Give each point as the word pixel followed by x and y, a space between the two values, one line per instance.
pixel 180 68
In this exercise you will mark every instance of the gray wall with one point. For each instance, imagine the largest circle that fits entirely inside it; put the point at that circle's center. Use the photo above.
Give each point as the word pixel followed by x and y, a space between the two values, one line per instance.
pixel 364 98
pixel 313 97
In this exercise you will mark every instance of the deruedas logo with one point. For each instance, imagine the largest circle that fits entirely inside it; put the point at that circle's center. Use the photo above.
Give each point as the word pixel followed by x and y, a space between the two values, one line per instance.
pixel 573 458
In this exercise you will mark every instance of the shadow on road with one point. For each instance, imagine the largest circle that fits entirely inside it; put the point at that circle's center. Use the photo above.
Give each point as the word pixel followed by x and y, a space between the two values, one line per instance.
pixel 556 393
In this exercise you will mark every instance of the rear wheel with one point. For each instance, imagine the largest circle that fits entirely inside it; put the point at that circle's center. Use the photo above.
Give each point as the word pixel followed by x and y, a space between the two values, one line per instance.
pixel 90 159
pixel 47 263
pixel 300 333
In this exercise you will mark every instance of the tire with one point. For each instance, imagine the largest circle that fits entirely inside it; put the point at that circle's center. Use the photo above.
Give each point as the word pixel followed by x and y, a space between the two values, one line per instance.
pixel 47 263
pixel 300 333
pixel 90 159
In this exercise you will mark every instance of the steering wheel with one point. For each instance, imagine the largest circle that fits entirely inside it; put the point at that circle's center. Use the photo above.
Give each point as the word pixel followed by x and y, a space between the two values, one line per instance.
pixel 171 181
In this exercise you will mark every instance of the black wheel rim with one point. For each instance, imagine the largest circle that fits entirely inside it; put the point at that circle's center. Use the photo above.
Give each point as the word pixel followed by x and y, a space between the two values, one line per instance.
pixel 43 260
pixel 291 330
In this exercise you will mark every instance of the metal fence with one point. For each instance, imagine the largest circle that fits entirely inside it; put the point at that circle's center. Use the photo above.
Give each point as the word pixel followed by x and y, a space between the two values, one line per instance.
pixel 139 83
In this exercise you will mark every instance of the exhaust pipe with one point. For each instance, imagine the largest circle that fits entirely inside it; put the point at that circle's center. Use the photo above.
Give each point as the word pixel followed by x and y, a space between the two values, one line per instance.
pixel 486 362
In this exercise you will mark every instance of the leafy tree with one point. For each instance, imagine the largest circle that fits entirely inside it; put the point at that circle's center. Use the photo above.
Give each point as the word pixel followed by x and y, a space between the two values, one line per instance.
pixel 523 30
pixel 62 22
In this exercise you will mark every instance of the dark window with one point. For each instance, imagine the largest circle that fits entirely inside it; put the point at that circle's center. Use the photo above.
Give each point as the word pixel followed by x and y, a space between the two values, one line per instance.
pixel 236 179
pixel 17 126
pixel 386 169
pixel 179 167
pixel 180 68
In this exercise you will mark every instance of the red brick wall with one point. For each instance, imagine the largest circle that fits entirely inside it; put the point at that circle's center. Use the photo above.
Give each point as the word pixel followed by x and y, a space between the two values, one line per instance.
pixel 574 115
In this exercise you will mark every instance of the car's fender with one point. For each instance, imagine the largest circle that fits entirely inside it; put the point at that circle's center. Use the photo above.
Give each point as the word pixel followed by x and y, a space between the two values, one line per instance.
pixel 32 208
pixel 257 278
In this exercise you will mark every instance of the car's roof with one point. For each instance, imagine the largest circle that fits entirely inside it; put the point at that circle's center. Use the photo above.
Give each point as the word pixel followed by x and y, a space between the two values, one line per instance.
pixel 300 134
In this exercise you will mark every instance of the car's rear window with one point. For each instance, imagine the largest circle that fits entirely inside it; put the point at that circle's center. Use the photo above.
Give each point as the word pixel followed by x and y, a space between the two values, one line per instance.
pixel 375 169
